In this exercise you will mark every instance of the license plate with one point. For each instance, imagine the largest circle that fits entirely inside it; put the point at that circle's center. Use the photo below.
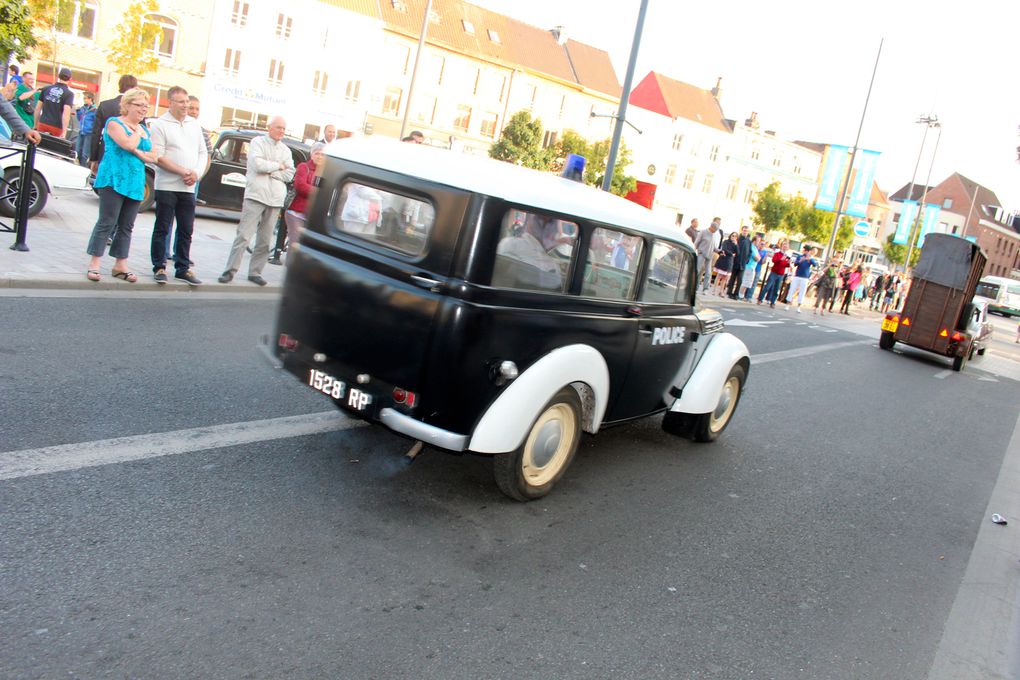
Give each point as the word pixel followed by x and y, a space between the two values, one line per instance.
pixel 890 325
pixel 337 389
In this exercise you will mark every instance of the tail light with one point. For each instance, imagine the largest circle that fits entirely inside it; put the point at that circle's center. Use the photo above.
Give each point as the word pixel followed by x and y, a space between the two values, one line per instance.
pixel 893 317
pixel 402 396
pixel 943 333
pixel 906 321
pixel 288 343
pixel 958 337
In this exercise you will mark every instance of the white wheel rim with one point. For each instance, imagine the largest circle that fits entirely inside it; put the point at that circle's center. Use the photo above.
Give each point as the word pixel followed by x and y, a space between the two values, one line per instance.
pixel 727 402
pixel 548 445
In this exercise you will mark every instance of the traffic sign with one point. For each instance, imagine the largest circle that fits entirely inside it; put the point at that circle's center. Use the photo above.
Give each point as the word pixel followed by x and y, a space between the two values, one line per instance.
pixel 862 228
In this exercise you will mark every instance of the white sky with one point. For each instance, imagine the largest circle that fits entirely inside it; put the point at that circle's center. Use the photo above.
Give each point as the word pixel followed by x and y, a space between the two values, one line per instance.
pixel 804 66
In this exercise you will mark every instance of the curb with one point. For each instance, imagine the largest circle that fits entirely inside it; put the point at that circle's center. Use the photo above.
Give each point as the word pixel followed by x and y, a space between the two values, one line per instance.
pixel 79 282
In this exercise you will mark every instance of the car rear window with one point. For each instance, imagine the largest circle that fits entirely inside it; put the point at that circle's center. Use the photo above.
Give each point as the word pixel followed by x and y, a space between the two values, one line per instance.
pixel 392 220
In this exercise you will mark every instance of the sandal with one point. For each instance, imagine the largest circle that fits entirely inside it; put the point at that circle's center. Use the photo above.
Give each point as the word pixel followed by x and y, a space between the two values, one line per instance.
pixel 93 275
pixel 125 276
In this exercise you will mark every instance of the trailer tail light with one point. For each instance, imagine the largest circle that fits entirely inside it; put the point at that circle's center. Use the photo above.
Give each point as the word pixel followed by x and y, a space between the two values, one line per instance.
pixel 906 321
pixel 402 396
pixel 957 337
pixel 943 333
pixel 288 343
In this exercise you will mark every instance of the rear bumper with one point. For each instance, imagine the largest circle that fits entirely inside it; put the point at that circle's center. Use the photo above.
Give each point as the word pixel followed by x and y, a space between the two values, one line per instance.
pixel 411 427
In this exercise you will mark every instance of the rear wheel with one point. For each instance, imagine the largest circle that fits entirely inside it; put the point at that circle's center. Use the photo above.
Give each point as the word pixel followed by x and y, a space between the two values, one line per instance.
pixel 10 187
pixel 886 340
pixel 531 471
pixel 706 427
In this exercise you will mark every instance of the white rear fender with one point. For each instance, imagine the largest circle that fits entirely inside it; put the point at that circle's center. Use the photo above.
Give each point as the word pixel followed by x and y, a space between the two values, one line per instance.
pixel 508 419
pixel 701 393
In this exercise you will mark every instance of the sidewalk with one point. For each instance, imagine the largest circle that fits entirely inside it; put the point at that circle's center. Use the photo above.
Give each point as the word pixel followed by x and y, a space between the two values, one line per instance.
pixel 57 238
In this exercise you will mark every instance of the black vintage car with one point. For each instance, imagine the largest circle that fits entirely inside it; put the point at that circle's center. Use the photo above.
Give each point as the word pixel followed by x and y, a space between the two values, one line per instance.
pixel 221 191
pixel 480 307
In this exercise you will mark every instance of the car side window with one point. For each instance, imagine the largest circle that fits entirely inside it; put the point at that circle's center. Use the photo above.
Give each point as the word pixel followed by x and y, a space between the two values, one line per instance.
pixel 398 222
pixel 613 259
pixel 664 271
pixel 534 252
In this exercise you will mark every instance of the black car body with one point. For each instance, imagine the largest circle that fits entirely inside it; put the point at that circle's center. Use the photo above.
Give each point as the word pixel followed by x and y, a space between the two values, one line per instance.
pixel 408 303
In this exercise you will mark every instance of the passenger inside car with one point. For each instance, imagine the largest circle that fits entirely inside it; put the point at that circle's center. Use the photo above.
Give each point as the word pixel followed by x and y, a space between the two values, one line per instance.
pixel 523 260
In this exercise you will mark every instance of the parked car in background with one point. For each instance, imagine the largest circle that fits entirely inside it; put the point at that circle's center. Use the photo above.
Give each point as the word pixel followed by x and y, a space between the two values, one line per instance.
pixel 1003 295
pixel 52 175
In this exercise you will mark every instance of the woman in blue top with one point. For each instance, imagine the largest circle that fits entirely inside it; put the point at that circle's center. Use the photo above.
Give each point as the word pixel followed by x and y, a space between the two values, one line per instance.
pixel 120 181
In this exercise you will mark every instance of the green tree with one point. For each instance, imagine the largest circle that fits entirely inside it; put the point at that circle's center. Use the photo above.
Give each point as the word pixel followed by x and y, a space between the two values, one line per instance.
pixel 573 142
pixel 131 51
pixel 45 15
pixel 595 169
pixel 15 29
pixel 845 234
pixel 770 208
pixel 895 253
pixel 521 143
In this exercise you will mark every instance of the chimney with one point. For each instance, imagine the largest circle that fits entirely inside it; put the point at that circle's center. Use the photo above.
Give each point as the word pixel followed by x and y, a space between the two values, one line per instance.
pixel 560 34
pixel 752 122
pixel 717 90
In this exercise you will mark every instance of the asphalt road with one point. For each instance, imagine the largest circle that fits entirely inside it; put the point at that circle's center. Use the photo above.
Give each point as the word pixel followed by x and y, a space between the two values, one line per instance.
pixel 824 536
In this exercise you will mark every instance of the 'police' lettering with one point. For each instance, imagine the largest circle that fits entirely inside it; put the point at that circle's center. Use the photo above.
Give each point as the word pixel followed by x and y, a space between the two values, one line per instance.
pixel 668 336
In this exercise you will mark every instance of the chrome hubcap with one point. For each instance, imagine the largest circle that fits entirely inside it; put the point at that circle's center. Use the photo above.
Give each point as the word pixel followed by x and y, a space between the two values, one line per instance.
pixel 727 402
pixel 548 445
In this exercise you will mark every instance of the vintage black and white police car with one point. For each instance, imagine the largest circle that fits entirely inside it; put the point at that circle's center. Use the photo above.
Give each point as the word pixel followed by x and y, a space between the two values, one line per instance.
pixel 481 307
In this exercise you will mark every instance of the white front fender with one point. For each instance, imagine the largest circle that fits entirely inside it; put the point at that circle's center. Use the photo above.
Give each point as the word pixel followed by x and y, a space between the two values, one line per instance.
pixel 508 419
pixel 701 393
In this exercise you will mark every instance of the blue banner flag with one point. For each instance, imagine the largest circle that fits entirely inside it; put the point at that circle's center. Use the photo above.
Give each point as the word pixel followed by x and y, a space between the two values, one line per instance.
pixel 865 164
pixel 832 175
pixel 906 223
pixel 931 217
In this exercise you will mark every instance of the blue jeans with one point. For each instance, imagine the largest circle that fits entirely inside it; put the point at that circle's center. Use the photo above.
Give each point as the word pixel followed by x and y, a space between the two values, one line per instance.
pixel 82 146
pixel 171 205
pixel 116 211
pixel 772 286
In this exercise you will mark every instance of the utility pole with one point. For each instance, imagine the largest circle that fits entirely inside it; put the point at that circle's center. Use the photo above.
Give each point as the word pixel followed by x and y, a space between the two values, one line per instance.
pixel 414 71
pixel 621 114
pixel 924 197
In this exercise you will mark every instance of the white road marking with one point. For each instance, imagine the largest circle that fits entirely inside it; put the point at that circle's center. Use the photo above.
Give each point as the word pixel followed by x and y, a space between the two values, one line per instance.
pixel 751 324
pixel 944 374
pixel 804 351
pixel 29 462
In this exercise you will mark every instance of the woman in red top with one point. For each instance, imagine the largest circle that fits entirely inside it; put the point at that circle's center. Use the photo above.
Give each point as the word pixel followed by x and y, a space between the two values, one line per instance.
pixel 304 183
pixel 780 263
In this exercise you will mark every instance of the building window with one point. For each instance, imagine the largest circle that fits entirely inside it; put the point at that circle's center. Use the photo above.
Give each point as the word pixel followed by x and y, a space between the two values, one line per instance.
pixel 751 193
pixel 796 165
pixel 425 109
pixel 275 72
pixel 398 5
pixel 947 204
pixel 77 17
pixel 678 142
pixel 695 148
pixel 463 120
pixel 239 17
pixel 238 118
pixel 488 125
pixel 469 27
pixel 165 41
pixel 733 189
pixel 391 102
pixel 493 36
pixel 320 82
pixel 670 174
pixel 284 24
pixel 706 186
pixel 549 139
pixel 563 106
pixel 399 56
pixel 714 153
pixel 689 178
pixel 311 133
pixel 353 90
pixel 434 67
pixel 755 153
pixel 231 62
pixel 777 160
pixel 533 98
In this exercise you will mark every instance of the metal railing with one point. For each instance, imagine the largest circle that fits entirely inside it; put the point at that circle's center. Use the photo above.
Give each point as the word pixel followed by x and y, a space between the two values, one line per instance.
pixel 20 193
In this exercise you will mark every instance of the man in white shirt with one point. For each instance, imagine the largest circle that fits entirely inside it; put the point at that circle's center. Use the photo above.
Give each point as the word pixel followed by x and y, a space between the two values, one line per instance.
pixel 182 155
pixel 270 167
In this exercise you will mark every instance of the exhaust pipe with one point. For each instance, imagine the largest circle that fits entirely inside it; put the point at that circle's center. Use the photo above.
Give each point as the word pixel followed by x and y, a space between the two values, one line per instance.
pixel 413 452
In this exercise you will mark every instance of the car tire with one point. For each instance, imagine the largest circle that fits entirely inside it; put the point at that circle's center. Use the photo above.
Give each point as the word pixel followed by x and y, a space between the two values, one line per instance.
pixel 981 352
pixel 886 340
pixel 9 193
pixel 959 363
pixel 150 193
pixel 540 461
pixel 706 427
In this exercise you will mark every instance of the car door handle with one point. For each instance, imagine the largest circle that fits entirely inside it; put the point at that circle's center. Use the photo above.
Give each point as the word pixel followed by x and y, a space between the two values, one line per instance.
pixel 425 282
pixel 644 330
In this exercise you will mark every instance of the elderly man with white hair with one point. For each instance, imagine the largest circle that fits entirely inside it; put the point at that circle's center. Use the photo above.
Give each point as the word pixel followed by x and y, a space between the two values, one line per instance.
pixel 270 168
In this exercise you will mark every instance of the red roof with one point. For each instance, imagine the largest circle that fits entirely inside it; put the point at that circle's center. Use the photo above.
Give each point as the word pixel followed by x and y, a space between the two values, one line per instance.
pixel 677 99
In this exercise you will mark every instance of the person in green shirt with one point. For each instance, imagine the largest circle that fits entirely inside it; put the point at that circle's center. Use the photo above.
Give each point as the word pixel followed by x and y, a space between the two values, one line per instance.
pixel 25 98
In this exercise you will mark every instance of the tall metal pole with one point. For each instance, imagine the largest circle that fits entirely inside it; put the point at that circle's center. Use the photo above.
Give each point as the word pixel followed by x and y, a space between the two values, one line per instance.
pixel 973 200
pixel 853 157
pixel 924 197
pixel 621 114
pixel 414 72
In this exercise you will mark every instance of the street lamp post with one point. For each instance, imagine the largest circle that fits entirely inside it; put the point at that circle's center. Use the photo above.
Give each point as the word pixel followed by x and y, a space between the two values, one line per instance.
pixel 621 115
pixel 414 71
pixel 924 196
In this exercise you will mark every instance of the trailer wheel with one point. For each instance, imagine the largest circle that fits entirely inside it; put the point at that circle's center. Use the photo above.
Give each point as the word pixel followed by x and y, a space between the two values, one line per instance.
pixel 886 340
pixel 959 363
pixel 531 471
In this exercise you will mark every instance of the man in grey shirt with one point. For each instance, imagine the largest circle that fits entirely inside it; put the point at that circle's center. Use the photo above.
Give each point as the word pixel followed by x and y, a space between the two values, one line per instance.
pixel 706 244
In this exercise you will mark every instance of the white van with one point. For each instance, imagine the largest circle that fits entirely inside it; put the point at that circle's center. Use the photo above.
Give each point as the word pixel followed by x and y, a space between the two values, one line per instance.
pixel 1003 295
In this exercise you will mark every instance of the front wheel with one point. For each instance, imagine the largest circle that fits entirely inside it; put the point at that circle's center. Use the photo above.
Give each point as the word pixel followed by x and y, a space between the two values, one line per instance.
pixel 706 427
pixel 531 471
pixel 11 185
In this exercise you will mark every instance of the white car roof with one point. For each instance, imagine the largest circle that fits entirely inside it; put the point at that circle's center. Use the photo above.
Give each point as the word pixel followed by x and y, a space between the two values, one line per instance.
pixel 503 180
